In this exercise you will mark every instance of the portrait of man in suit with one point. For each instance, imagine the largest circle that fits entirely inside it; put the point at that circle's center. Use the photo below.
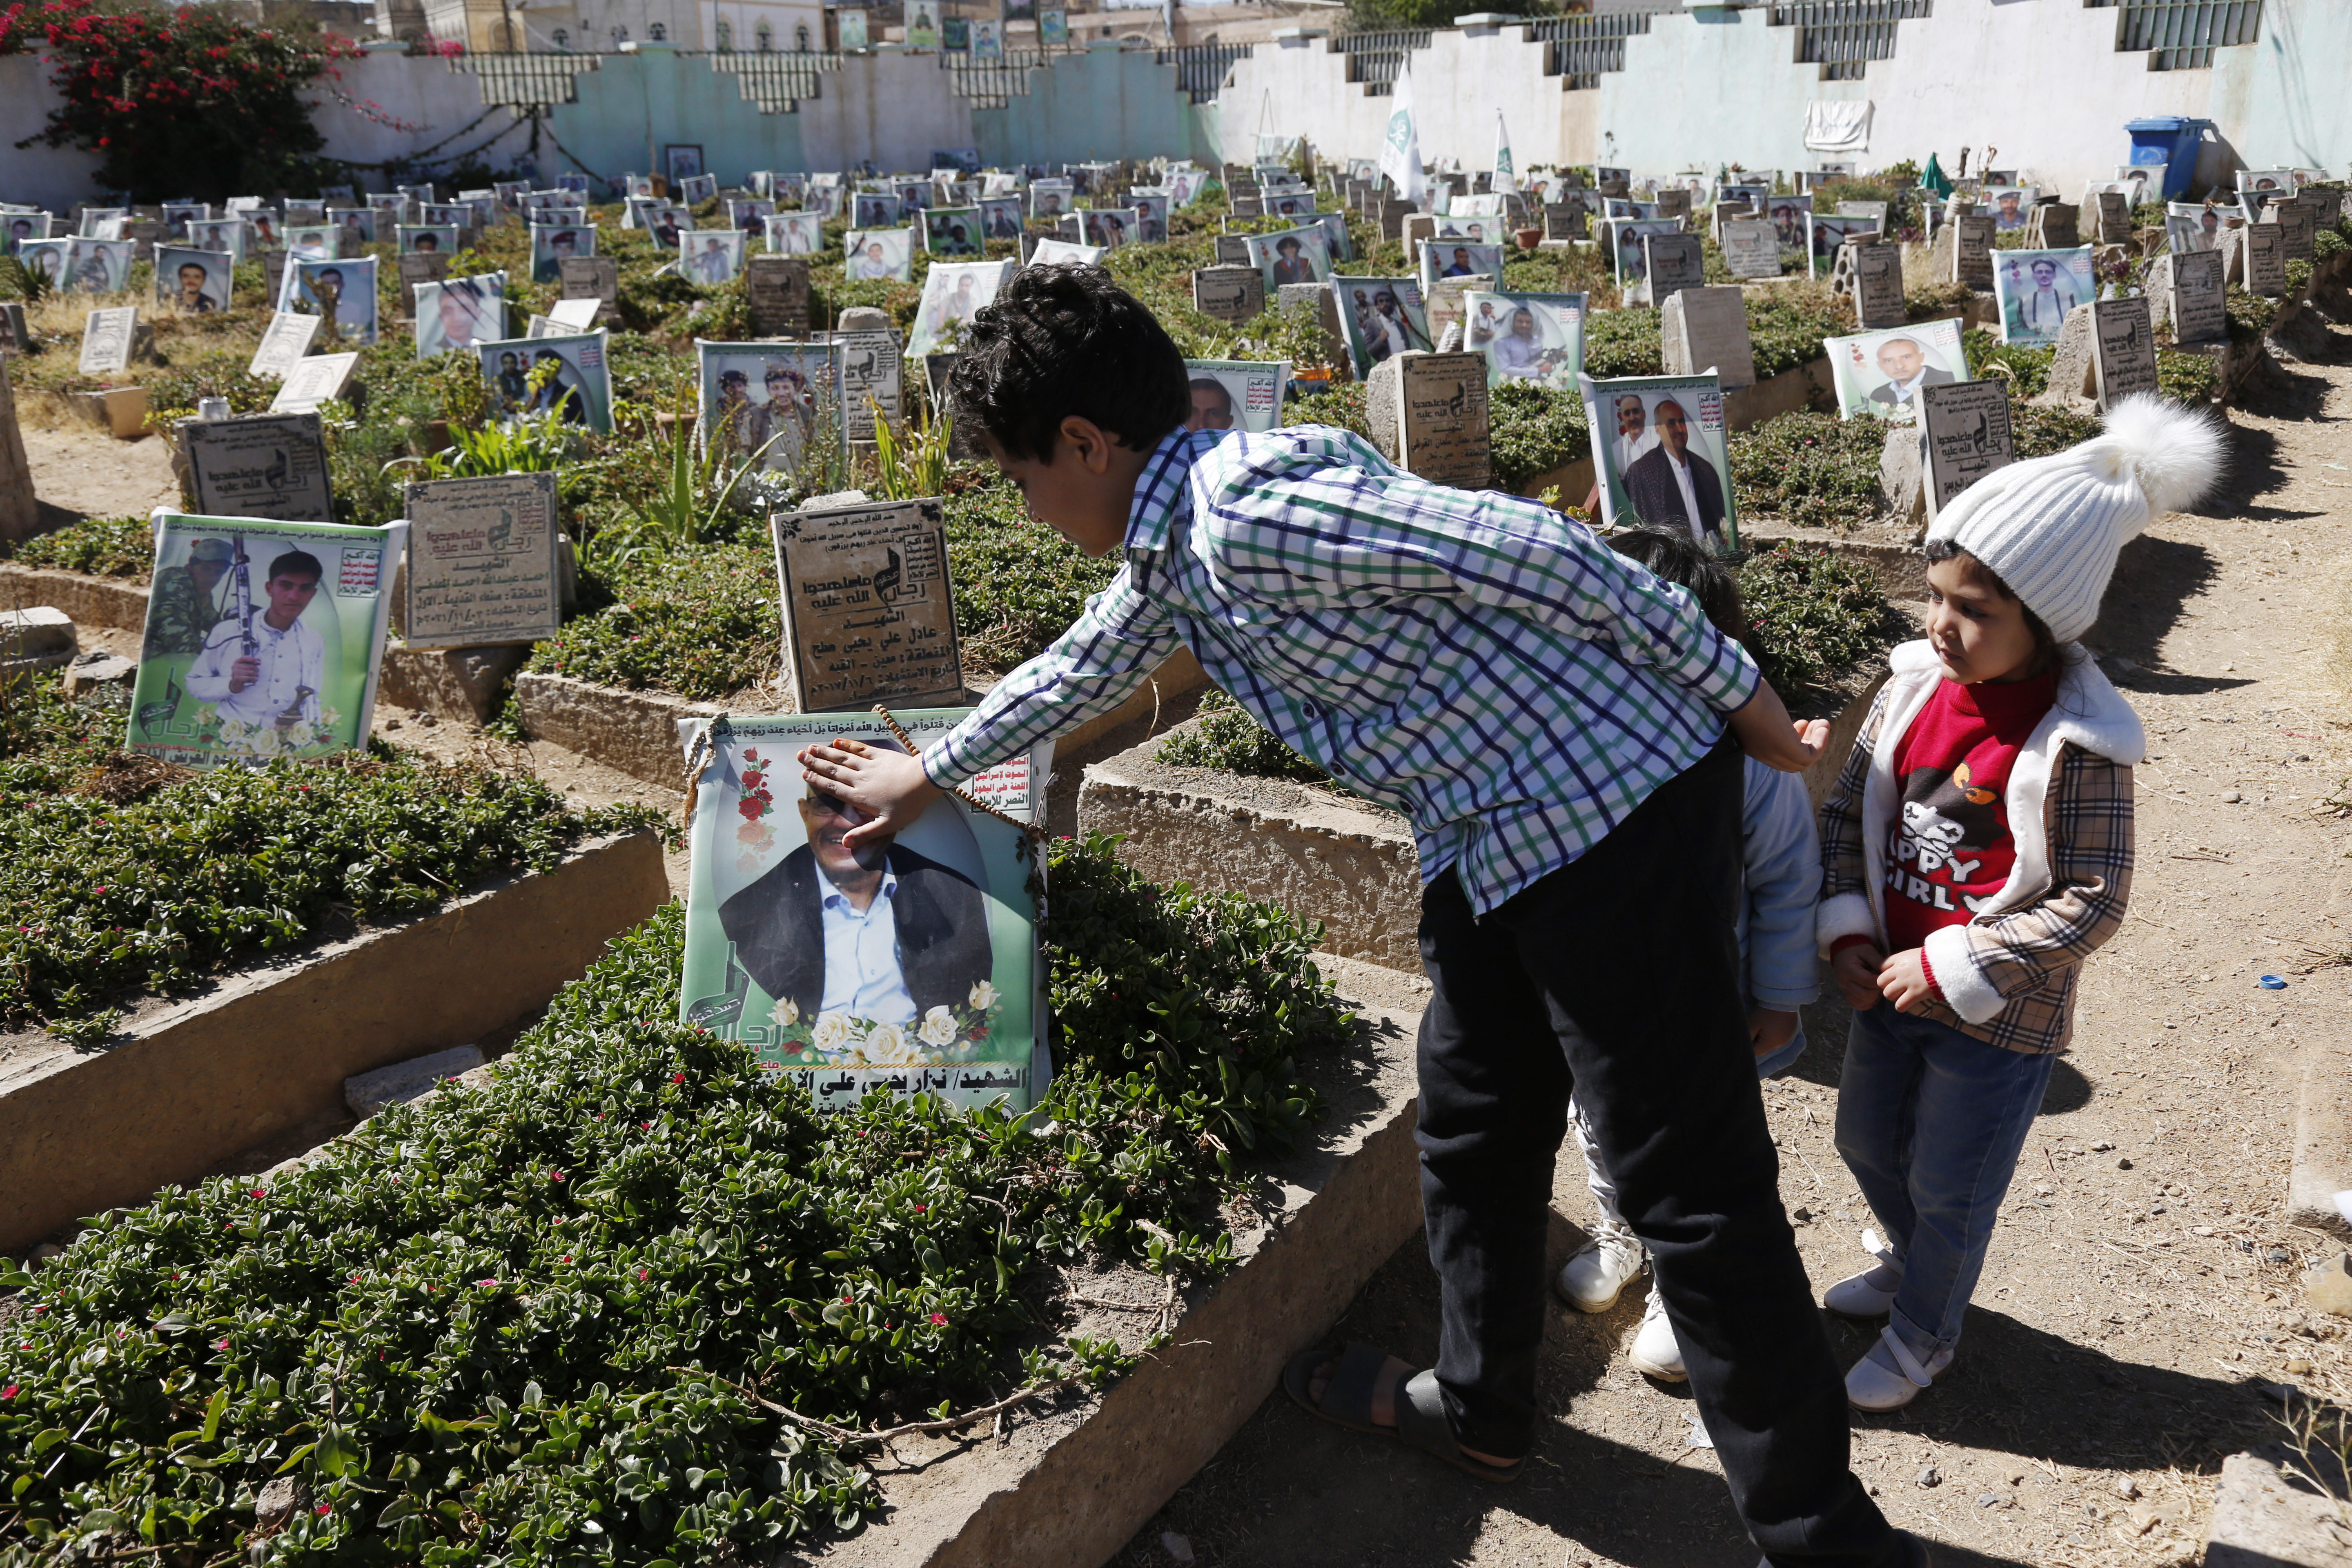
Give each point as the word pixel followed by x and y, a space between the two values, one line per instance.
pixel 1674 486
pixel 879 933
pixel 1905 366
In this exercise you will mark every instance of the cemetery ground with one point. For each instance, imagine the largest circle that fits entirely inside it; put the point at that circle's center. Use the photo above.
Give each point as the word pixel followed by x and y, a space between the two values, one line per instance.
pixel 2142 1306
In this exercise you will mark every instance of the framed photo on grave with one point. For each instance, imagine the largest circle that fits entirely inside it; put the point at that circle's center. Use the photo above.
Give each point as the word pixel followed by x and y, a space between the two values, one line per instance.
pixel 1651 433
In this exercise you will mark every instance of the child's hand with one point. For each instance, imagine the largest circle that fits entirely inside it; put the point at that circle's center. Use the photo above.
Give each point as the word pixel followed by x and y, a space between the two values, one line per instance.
pixel 889 789
pixel 1767 732
pixel 1856 969
pixel 1902 979
pixel 1769 1028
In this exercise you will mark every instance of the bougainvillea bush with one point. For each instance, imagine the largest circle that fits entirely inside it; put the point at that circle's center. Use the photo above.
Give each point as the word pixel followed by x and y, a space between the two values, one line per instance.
pixel 535 1322
pixel 190 103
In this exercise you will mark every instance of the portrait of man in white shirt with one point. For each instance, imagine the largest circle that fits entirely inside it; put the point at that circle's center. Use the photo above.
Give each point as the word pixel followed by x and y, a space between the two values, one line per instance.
pixel 281 677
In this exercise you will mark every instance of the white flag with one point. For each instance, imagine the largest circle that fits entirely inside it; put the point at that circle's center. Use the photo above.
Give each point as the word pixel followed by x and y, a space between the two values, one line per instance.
pixel 1400 151
pixel 1506 179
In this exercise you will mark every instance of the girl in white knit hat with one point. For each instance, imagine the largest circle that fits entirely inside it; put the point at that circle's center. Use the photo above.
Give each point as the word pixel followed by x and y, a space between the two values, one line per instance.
pixel 1976 849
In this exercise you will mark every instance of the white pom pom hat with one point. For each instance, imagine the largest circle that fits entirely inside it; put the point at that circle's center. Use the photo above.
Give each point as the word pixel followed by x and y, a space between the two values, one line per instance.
pixel 2051 526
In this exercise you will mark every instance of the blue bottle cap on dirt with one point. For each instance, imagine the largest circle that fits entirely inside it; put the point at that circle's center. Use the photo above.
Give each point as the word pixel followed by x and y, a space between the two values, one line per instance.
pixel 2272 983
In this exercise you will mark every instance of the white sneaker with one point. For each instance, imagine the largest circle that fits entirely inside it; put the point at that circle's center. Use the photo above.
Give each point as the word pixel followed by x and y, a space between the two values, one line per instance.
pixel 1871 1293
pixel 1593 1279
pixel 1655 1349
pixel 1890 1376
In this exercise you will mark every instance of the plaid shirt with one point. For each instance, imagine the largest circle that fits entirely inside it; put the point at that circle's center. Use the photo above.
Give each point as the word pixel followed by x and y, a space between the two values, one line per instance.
pixel 2031 954
pixel 1474 660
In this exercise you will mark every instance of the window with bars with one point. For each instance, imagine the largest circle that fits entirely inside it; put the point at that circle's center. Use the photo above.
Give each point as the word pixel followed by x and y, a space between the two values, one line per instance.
pixel 1201 68
pixel 2181 35
pixel 1375 58
pixel 1579 49
pixel 1842 37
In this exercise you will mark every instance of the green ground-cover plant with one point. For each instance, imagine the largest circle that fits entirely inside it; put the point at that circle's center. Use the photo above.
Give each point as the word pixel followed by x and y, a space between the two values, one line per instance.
pixel 1815 470
pixel 525 1323
pixel 126 876
pixel 1533 430
pixel 101 546
pixel 1228 740
pixel 2025 366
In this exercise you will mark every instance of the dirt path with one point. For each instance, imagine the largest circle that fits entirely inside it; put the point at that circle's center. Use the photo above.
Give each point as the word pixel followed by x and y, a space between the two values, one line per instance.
pixel 80 471
pixel 2143 1285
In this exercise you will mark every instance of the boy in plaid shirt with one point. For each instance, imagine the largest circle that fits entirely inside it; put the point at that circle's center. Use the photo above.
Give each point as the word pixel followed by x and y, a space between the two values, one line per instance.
pixel 1561 727
pixel 1976 849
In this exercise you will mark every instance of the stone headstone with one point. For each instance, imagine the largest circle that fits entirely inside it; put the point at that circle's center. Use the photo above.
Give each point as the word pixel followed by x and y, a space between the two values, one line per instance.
pixel 1418 228
pixel 1442 304
pixel 313 381
pixel 1392 215
pixel 273 277
pixel 1751 249
pixel 1875 211
pixel 1705 329
pixel 263 465
pixel 1878 285
pixel 2257 257
pixel 143 236
pixel 2292 220
pixel 870 368
pixel 776 291
pixel 1672 262
pixel 867 610
pixel 19 514
pixel 592 278
pixel 419 267
pixel 16 337
pixel 2072 373
pixel 1252 205
pixel 2123 348
pixel 105 340
pixel 1428 415
pixel 1902 475
pixel 1565 220
pixel 1968 433
pixel 482 562
pixel 2053 226
pixel 1229 294
pixel 571 317
pixel 1973 252
pixel 2185 288
pixel 1233 250
pixel 2115 217
pixel 284 342
pixel 1674 203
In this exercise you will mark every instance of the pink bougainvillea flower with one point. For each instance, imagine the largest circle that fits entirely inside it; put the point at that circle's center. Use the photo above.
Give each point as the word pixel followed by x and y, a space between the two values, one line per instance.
pixel 938 1320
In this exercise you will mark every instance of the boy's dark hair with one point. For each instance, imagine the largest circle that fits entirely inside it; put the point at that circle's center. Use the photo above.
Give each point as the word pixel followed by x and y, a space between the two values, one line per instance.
pixel 1678 558
pixel 298 561
pixel 1064 339
pixel 2045 646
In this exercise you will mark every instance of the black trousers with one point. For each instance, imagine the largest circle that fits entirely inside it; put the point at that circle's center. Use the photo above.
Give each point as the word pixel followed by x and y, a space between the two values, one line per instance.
pixel 1617 977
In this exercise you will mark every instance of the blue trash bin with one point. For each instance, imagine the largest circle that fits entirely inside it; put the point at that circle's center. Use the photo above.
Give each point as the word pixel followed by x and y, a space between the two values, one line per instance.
pixel 2170 139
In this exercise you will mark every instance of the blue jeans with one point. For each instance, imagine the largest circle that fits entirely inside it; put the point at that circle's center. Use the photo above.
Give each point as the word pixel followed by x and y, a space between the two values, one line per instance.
pixel 1930 1122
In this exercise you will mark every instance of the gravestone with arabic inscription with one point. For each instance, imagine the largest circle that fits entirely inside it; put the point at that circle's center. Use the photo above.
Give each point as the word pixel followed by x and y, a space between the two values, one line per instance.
pixel 484 562
pixel 868 613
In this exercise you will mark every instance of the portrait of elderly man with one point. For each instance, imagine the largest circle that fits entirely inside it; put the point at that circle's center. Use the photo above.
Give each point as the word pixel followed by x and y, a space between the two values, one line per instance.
pixel 1674 486
pixel 881 933
pixel 1634 438
pixel 1903 362
pixel 183 606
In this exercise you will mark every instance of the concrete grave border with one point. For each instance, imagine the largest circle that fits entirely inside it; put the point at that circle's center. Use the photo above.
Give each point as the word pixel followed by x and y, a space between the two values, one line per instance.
pixel 187 1084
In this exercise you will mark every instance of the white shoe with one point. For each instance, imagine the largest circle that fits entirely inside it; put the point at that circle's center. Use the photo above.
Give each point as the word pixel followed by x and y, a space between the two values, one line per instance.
pixel 1655 1349
pixel 1871 1293
pixel 1890 1376
pixel 1593 1279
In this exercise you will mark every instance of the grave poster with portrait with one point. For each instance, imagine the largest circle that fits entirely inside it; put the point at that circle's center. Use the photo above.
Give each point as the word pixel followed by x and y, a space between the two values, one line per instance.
pixel 772 404
pixel 2036 288
pixel 1661 452
pixel 1536 338
pixel 1881 374
pixel 949 1001
pixel 1236 393
pixel 563 377
pixel 263 639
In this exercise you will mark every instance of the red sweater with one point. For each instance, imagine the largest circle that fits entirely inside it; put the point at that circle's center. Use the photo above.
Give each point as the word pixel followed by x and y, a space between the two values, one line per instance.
pixel 1951 851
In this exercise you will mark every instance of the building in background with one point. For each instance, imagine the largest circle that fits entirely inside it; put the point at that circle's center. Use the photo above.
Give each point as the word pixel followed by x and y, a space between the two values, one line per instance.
pixel 602 26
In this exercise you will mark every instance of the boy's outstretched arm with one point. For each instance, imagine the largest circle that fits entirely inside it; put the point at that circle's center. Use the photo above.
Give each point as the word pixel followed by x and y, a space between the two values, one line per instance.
pixel 1767 733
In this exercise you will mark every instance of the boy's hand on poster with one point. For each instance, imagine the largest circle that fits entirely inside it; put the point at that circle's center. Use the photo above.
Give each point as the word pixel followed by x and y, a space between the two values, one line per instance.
pixel 1767 732
pixel 1902 979
pixel 1769 1028
pixel 889 788
pixel 1857 968
pixel 243 673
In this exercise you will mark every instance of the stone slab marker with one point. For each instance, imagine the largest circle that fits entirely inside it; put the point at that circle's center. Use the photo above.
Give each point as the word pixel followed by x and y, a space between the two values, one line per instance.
pixel 2073 375
pixel 105 339
pixel 419 267
pixel 283 344
pixel 1673 262
pixel 2123 348
pixel 1973 252
pixel 866 608
pixel 1565 220
pixel 776 291
pixel 2256 254
pixel 483 564
pixel 2054 225
pixel 592 278
pixel 263 465
pixel 2115 217
pixel 1751 249
pixel 1674 203
pixel 1229 294
pixel 1705 329
pixel 19 515
pixel 2296 232
pixel 2185 288
pixel 1968 432
pixel 1877 284
pixel 1428 415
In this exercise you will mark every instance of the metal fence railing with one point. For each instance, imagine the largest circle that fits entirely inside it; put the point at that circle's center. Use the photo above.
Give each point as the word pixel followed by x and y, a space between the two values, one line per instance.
pixel 1578 49
pixel 776 82
pixel 1374 59
pixel 2181 35
pixel 1201 68
pixel 523 82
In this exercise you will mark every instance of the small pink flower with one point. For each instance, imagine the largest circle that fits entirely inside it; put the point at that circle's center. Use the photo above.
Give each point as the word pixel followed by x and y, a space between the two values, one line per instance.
pixel 555 1175
pixel 9 1391
pixel 641 1274
pixel 487 1284
pixel 922 1208
pixel 260 1192
pixel 222 1345
pixel 323 1509
pixel 938 1320
pixel 678 1078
